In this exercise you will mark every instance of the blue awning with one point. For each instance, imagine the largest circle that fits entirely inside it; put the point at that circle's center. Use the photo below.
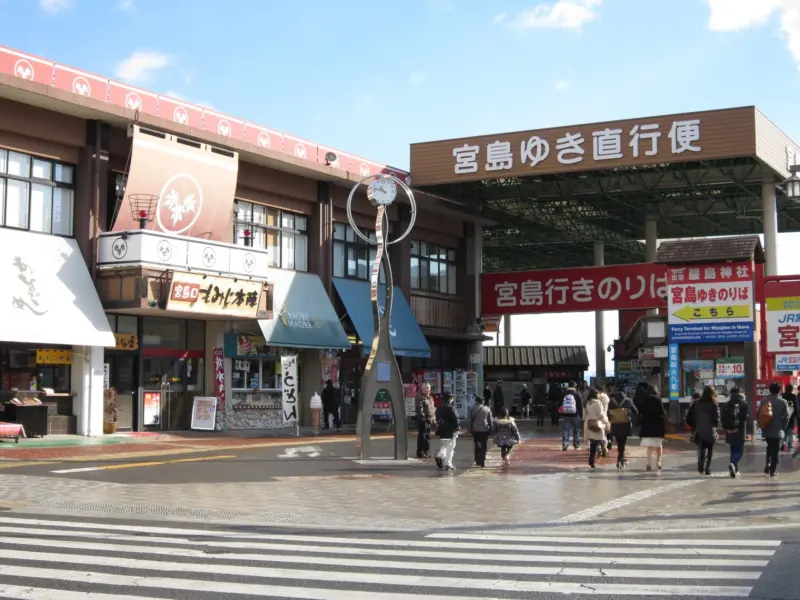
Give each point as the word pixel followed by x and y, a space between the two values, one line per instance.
pixel 407 338
pixel 304 315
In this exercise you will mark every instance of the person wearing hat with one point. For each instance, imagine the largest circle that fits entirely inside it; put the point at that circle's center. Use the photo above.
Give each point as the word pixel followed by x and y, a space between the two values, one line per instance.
pixel 525 402
pixel 447 432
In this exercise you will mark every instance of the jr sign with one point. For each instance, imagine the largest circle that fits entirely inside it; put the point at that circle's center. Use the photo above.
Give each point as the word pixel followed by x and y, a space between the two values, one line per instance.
pixel 783 316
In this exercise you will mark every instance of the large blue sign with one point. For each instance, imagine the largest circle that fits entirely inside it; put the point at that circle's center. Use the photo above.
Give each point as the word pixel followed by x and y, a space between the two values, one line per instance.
pixel 674 373
pixel 702 333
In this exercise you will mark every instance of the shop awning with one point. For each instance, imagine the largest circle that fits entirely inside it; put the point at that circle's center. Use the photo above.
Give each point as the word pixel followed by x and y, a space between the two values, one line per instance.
pixel 407 337
pixel 46 293
pixel 304 315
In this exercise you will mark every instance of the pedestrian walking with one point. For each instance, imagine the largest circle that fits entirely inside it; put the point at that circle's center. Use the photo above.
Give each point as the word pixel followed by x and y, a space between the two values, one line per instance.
pixel 426 421
pixel 498 399
pixel 596 425
pixel 525 402
pixel 704 419
pixel 734 420
pixel 773 419
pixel 620 413
pixel 791 400
pixel 571 411
pixel 480 424
pixel 555 396
pixel 540 405
pixel 506 436
pixel 605 401
pixel 487 395
pixel 653 425
pixel 330 406
pixel 447 431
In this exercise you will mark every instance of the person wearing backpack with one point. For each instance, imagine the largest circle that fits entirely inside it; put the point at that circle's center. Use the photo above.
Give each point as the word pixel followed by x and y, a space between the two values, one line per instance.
pixel 620 413
pixel 571 410
pixel 773 419
pixel 480 424
pixel 704 419
pixel 734 421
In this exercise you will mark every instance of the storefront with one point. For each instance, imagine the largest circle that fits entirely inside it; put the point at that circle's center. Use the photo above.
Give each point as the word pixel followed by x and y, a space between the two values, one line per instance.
pixel 53 331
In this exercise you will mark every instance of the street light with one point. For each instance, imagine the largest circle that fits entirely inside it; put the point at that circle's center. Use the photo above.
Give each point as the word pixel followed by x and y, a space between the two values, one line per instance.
pixel 792 185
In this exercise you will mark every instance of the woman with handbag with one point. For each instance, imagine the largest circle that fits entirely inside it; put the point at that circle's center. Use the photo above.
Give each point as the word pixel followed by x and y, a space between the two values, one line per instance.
pixel 597 426
pixel 653 420
pixel 620 414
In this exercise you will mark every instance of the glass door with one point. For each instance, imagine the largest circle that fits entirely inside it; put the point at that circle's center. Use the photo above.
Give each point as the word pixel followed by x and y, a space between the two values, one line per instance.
pixel 122 376
pixel 167 375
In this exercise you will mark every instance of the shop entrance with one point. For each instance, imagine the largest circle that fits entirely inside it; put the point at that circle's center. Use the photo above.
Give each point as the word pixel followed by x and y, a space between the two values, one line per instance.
pixel 122 376
pixel 178 379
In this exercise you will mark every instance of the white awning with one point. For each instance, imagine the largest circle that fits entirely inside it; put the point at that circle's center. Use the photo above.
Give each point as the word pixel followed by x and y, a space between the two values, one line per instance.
pixel 46 293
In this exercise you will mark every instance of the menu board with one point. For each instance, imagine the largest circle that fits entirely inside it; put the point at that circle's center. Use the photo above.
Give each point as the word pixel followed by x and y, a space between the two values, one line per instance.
pixel 204 412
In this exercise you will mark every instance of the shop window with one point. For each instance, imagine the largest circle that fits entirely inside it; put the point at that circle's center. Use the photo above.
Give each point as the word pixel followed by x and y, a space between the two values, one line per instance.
pixel 254 374
pixel 123 323
pixel 19 369
pixel 164 333
pixel 353 257
pixel 36 194
pixel 433 268
pixel 720 373
pixel 196 334
pixel 284 235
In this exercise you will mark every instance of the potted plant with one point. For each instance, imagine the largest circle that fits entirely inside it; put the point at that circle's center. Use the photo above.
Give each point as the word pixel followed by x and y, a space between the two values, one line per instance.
pixel 111 411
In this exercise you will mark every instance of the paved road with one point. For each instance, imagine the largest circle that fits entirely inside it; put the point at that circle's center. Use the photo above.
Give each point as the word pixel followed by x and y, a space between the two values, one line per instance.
pixel 70 559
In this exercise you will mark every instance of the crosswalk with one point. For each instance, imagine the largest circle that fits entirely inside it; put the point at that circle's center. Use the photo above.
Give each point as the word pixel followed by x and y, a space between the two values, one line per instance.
pixel 57 559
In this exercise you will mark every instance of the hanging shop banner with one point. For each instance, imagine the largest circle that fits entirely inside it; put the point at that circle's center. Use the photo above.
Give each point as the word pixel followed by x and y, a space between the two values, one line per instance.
pixel 204 413
pixel 730 368
pixel 783 316
pixel 211 295
pixel 621 287
pixel 674 373
pixel 152 408
pixel 710 303
pixel 787 362
pixel 219 378
pixel 289 391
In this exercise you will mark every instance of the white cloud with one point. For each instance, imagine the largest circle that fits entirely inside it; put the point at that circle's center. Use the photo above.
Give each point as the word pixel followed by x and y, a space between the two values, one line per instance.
pixel 498 18
pixel 417 78
pixel 737 15
pixel 54 6
pixel 562 85
pixel 125 5
pixel 140 66
pixel 564 14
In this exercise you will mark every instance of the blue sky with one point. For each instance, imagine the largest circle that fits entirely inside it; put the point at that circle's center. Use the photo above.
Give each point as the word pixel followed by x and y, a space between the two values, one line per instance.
pixel 372 77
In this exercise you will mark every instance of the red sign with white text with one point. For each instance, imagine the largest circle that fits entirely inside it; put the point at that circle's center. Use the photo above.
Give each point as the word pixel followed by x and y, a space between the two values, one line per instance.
pixel 619 287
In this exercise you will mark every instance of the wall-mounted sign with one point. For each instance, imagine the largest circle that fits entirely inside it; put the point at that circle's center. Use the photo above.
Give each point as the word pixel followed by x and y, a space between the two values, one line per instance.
pixel 192 292
pixel 787 362
pixel 653 352
pixel 53 356
pixel 219 378
pixel 783 316
pixel 730 368
pixel 126 341
pixel 289 388
pixel 710 303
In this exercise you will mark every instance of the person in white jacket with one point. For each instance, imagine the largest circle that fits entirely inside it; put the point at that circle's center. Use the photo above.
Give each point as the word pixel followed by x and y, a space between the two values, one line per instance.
pixel 605 400
pixel 596 425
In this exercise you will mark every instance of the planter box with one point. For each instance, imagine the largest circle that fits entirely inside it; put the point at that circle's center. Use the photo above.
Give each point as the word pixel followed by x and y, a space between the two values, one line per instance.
pixel 62 424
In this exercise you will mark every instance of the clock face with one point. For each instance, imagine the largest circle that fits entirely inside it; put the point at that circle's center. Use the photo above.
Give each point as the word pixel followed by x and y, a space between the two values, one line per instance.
pixel 382 191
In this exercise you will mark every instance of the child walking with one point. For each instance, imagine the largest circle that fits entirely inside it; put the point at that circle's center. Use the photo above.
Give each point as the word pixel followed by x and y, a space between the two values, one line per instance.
pixel 506 435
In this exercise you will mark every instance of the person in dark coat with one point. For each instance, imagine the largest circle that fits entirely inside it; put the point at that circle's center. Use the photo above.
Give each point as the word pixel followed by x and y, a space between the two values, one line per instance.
pixel 498 399
pixel 775 430
pixel 426 420
pixel 737 407
pixel 791 400
pixel 653 429
pixel 621 411
pixel 703 418
pixel 487 395
pixel 447 431
pixel 330 405
pixel 525 402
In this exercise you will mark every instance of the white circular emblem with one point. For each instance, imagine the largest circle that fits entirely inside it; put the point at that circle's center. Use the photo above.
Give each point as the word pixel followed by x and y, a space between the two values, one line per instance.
pixel 180 115
pixel 119 248
pixel 249 262
pixel 209 256
pixel 80 85
pixel 364 170
pixel 133 101
pixel 263 139
pixel 300 150
pixel 179 203
pixel 224 128
pixel 24 69
pixel 164 250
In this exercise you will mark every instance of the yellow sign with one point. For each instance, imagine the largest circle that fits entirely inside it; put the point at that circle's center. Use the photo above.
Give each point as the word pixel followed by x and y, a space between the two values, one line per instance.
pixel 791 303
pixel 700 313
pixel 52 356
pixel 126 341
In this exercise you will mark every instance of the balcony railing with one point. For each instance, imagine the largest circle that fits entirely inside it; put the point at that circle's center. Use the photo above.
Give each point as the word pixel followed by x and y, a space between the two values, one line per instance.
pixel 439 313
pixel 166 251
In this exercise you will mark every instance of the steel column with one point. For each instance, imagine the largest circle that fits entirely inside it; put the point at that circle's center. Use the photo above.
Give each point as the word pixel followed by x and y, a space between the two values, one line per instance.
pixel 769 209
pixel 506 330
pixel 650 246
pixel 599 329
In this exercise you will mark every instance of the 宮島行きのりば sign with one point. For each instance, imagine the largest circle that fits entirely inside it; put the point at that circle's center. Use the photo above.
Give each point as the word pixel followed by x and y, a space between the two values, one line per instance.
pixel 710 303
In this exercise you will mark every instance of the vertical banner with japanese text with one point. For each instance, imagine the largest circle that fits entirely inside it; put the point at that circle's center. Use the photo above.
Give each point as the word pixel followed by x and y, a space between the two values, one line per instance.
pixel 711 303
pixel 219 379
pixel 621 287
pixel 674 373
pixel 289 388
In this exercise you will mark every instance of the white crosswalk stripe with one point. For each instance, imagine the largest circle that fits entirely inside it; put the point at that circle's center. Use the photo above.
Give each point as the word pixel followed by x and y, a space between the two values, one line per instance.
pixel 43 559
